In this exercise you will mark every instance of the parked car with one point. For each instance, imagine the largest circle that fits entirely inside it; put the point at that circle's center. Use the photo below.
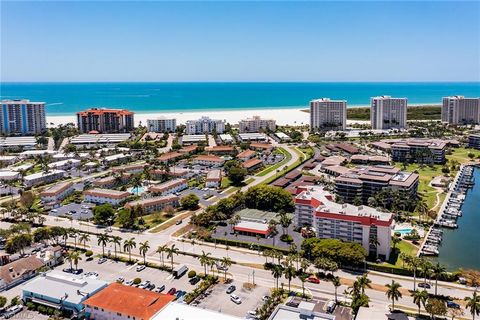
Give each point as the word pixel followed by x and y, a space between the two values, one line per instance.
pixel 251 314
pixel 453 305
pixel 172 291
pixel 235 298
pixel 74 271
pixel 194 280
pixel 120 279
pixel 144 284
pixel 424 285
pixel 129 282
pixel 265 298
pixel 178 222
pixel 331 306
pixel 13 311
pixel 140 268
pixel 91 274
pixel 102 260
pixel 313 279
pixel 231 289
pixel 159 288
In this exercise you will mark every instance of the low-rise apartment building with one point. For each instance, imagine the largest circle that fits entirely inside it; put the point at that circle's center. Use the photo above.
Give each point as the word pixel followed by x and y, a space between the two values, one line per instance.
pixel 419 150
pixel 43 177
pixel 102 196
pixel 208 160
pixel 18 271
pixel 154 204
pixel 133 168
pixel 315 207
pixel 252 164
pixel 161 174
pixel 169 187
pixel 261 146
pixel 56 193
pixel 169 157
pixel 364 182
pixel 213 179
pixel 8 175
pixel 221 150
pixel 245 155
pixel 65 164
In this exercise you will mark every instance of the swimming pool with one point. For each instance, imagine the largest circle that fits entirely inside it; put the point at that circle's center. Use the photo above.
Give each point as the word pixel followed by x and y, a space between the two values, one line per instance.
pixel 137 190
pixel 403 232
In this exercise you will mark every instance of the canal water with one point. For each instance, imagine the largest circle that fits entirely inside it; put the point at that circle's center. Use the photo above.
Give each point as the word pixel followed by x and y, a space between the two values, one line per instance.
pixel 461 247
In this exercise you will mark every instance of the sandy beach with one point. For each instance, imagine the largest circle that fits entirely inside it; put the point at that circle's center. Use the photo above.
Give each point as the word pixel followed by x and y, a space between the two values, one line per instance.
pixel 282 116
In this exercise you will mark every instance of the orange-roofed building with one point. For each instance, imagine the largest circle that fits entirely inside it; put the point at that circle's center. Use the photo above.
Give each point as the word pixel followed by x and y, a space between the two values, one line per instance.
pixel 119 302
pixel 101 120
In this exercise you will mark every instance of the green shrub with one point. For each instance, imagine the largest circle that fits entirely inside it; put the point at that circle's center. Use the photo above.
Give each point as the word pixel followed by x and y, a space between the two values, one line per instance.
pixel 88 253
pixel 137 281
pixel 286 238
pixel 31 306
pixel 42 309
pixel 192 273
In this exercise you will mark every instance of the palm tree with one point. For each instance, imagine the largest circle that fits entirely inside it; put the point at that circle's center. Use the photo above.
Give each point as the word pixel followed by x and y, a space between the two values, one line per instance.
pixel 116 240
pixel 143 248
pixel 285 221
pixel 414 263
pixel 171 252
pixel 128 245
pixel 393 292
pixel 272 227
pixel 437 270
pixel 226 263
pixel 336 283
pixel 420 298
pixel 161 250
pixel 74 234
pixel 425 266
pixel 395 241
pixel 204 259
pixel 473 304
pixel 303 278
pixel 373 242
pixel 277 271
pixel 364 282
pixel 84 237
pixel 290 272
pixel 74 257
pixel 102 240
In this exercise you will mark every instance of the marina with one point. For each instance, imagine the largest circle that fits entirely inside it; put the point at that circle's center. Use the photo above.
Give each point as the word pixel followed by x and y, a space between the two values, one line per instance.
pixel 450 211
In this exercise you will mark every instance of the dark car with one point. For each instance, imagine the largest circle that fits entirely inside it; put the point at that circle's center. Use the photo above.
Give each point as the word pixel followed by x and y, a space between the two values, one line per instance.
pixel 194 280
pixel 160 288
pixel 172 291
pixel 231 289
pixel 424 285
pixel 453 305
pixel 178 222
pixel 151 286
pixel 293 304
pixel 180 294
pixel 74 271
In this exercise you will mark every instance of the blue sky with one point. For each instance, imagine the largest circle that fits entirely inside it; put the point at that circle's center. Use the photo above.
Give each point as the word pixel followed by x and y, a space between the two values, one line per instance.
pixel 240 41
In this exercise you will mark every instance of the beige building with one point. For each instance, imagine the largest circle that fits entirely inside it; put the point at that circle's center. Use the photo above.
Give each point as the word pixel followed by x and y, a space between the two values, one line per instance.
pixel 460 110
pixel 388 113
pixel 326 114
pixel 255 124
pixel 155 204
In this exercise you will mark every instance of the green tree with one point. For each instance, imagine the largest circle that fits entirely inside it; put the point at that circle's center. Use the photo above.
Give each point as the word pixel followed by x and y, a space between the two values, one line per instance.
pixel 226 263
pixel 84 237
pixel 173 250
pixel 41 234
pixel 116 240
pixel 102 214
pixel 437 270
pixel 473 304
pixel 3 301
pixel 436 307
pixel 125 218
pixel 336 283
pixel 290 273
pixel 236 174
pixel 190 202
pixel 393 292
pixel 269 198
pixel 161 250
pixel 128 245
pixel 143 248
pixel 204 259
pixel 364 283
pixel 74 257
pixel 277 272
pixel 419 298
pixel 102 240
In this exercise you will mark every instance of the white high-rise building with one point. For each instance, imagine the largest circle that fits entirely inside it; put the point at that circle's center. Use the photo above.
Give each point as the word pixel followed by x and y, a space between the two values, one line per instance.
pixel 326 114
pixel 387 112
pixel 255 124
pixel 204 125
pixel 22 117
pixel 461 110
pixel 161 125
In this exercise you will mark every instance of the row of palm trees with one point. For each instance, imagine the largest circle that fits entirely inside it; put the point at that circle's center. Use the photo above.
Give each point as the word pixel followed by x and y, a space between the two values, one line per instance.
pixel 207 261
pixel 425 267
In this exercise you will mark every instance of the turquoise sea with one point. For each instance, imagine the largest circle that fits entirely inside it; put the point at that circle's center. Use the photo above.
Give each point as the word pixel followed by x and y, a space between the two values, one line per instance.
pixel 68 98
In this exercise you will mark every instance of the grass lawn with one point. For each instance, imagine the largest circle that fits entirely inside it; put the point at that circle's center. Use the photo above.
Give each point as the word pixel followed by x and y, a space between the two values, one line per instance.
pixel 226 182
pixel 271 168
pixel 402 247
pixel 461 154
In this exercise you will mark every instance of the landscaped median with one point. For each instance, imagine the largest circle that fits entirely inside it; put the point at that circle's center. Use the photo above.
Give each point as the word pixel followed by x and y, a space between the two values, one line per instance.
pixel 267 170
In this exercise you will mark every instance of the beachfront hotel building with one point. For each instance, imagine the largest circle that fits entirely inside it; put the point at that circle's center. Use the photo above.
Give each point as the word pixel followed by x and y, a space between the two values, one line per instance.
pixel 326 114
pixel 101 120
pixel 204 125
pixel 460 110
pixel 388 113
pixel 363 182
pixel 255 124
pixel 315 207
pixel 22 117
pixel 419 150
pixel 161 124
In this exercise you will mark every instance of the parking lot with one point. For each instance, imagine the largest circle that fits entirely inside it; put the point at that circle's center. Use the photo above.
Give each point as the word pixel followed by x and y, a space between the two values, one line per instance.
pixel 78 211
pixel 219 300
pixel 201 193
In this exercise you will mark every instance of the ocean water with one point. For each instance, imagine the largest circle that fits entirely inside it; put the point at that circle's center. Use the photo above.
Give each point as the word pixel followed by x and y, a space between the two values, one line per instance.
pixel 68 98
pixel 460 247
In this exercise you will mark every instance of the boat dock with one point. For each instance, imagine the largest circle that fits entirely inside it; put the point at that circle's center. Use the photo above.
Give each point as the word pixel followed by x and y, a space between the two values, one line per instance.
pixel 449 212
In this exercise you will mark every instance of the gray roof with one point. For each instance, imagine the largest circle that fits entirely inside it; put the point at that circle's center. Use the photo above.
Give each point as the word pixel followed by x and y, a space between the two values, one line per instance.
pixel 58 285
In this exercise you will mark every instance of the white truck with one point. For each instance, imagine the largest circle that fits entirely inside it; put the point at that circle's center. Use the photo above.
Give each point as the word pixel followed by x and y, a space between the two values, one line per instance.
pixel 180 271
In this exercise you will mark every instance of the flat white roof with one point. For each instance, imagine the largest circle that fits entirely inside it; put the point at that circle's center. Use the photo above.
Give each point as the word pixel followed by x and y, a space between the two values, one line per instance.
pixel 252 136
pixel 193 137
pixel 22 167
pixel 282 135
pixel 37 152
pixel 115 157
pixel 17 141
pixel 62 163
pixel 8 174
pixel 258 226
pixel 100 138
pixel 42 174
pixel 226 137
pixel 175 311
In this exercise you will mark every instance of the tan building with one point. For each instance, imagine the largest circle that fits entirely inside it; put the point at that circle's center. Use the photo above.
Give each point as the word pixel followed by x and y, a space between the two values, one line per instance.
pixel 255 124
pixel 388 113
pixel 169 187
pixel 150 205
pixel 208 160
pixel 105 120
pixel 102 196
pixel 213 179
pixel 326 114
pixel 56 193
pixel 461 110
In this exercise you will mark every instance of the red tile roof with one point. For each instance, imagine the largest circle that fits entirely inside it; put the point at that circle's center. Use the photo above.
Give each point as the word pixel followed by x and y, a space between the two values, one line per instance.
pixel 131 301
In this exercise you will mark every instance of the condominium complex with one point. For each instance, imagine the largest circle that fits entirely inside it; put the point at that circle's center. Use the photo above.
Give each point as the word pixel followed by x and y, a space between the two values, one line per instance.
pixel 161 125
pixel 460 110
pixel 105 120
pixel 363 182
pixel 22 117
pixel 326 114
pixel 255 124
pixel 474 140
pixel 315 207
pixel 419 150
pixel 387 112
pixel 204 125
